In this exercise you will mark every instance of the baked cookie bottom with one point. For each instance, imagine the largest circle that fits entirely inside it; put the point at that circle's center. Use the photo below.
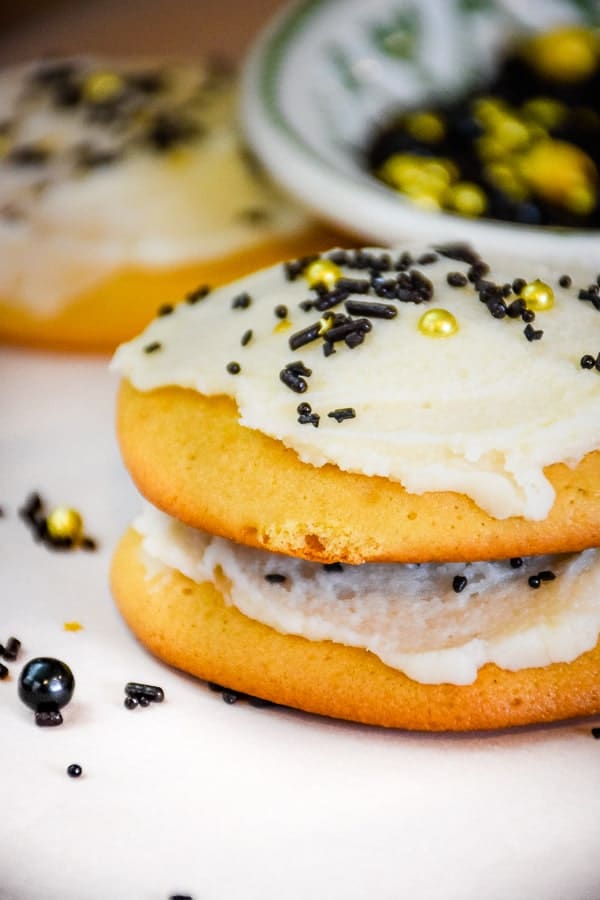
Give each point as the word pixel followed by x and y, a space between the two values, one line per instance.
pixel 190 457
pixel 189 626
pixel 122 305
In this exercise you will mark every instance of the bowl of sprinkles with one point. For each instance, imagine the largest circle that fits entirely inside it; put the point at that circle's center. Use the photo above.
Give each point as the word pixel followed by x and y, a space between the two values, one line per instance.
pixel 475 120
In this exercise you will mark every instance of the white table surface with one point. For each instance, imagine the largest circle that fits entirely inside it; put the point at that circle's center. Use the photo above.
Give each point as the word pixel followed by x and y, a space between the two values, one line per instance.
pixel 226 802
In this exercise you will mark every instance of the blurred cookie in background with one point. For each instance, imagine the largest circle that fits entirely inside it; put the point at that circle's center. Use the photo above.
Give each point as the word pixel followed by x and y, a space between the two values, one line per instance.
pixel 123 186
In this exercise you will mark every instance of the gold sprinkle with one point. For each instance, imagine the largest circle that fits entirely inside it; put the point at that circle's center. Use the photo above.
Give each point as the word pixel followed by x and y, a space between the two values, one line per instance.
pixel 283 325
pixel 73 626
pixel 467 199
pixel 555 169
pixel 545 111
pixel 65 523
pixel 322 271
pixel 325 324
pixel 438 323
pixel 425 126
pixel 5 145
pixel 569 53
pixel 538 296
pixel 102 86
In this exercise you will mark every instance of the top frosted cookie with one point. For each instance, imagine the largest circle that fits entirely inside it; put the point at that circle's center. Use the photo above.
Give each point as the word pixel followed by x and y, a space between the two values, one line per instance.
pixel 433 369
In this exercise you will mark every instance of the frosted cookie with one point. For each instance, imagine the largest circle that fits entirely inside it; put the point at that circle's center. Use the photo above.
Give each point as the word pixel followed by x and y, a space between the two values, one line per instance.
pixel 123 187
pixel 375 405
pixel 373 464
pixel 294 633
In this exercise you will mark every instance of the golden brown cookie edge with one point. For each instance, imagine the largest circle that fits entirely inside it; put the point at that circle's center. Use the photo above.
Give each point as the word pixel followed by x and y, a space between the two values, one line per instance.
pixel 190 457
pixel 189 626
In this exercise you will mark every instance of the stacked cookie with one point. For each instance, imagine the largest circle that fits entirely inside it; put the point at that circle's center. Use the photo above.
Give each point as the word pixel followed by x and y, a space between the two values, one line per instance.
pixel 121 185
pixel 373 487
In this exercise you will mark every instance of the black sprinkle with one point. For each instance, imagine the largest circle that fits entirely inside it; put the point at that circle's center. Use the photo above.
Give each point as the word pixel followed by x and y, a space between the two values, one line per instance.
pixel 516 562
pixel 565 281
pixel 371 309
pixel 596 733
pixel 459 252
pixel 242 301
pixel 304 336
pixel 459 583
pixel 427 258
pixel 198 294
pixel 518 285
pixel 89 544
pixel 130 703
pixel 516 308
pixel 275 578
pixel 350 327
pixel 11 650
pixel 477 271
pixel 333 567
pixel 456 279
pixel 340 414
pixel 48 718
pixel 167 131
pixel 153 347
pixel 546 575
pixel 165 310
pixel 298 368
pixel 246 338
pixel 281 311
pixel 527 315
pixel 587 362
pixel 293 381
pixel 534 581
pixel 354 285
pixel 89 157
pixel 303 409
pixel 74 770
pixel 309 419
pixel 29 155
pixel 233 368
pixel 254 215
pixel 3 671
pixel 531 334
pixel 151 692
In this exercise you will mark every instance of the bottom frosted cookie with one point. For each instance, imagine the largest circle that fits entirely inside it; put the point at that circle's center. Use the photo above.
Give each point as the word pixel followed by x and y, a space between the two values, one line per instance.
pixel 189 625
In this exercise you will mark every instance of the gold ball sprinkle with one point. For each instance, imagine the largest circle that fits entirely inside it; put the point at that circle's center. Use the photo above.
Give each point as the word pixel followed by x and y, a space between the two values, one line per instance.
pixel 322 271
pixel 538 296
pixel 325 323
pixel 467 199
pixel 65 523
pixel 438 323
pixel 569 53
pixel 102 86
pixel 425 126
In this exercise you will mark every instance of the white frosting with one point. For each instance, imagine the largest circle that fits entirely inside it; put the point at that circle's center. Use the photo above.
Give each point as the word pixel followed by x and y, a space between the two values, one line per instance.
pixel 62 229
pixel 481 413
pixel 408 615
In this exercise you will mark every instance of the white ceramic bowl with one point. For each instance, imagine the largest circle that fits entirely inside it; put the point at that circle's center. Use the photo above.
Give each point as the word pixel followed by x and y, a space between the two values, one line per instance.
pixel 325 72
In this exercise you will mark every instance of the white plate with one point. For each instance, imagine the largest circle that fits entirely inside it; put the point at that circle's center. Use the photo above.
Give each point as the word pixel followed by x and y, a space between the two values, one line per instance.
pixel 325 72
pixel 232 802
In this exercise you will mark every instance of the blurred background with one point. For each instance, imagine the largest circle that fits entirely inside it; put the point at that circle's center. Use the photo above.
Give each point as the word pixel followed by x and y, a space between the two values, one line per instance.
pixel 36 27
